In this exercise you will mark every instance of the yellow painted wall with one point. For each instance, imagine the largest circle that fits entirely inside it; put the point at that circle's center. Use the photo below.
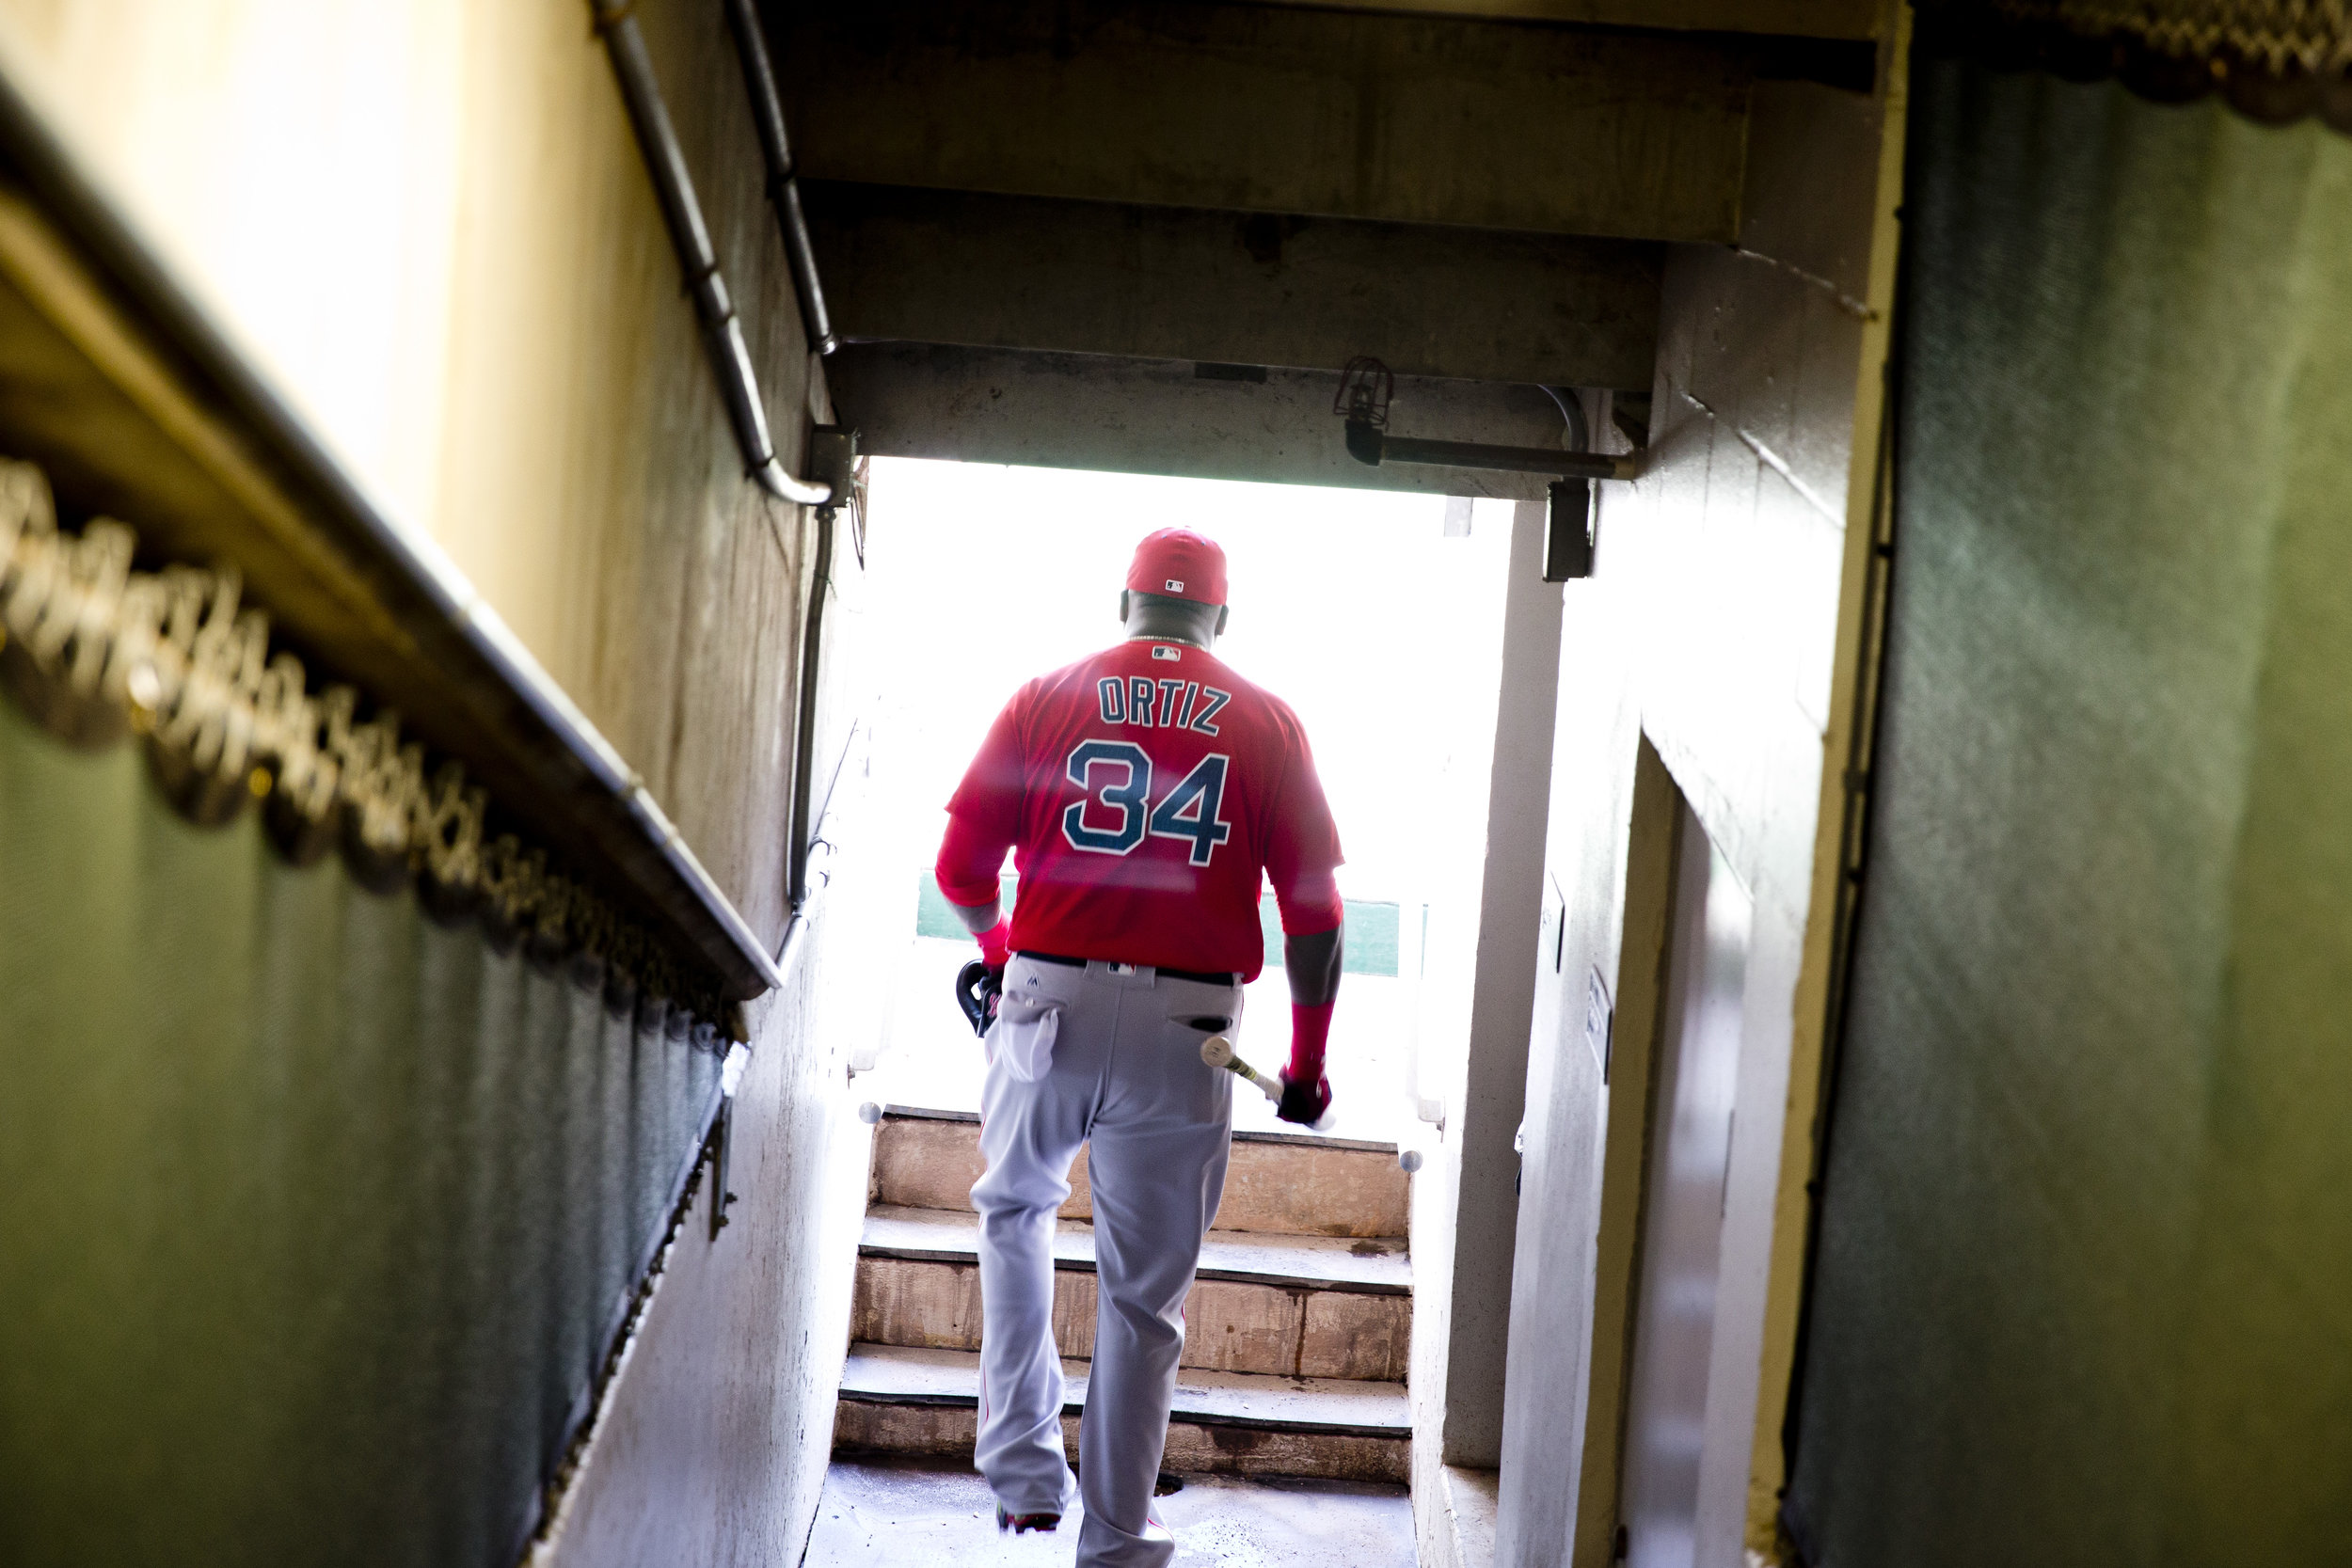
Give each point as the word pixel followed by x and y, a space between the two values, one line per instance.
pixel 428 222
pixel 300 163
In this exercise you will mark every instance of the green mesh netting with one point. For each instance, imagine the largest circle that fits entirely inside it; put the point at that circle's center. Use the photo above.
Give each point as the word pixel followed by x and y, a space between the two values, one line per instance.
pixel 315 1219
pixel 2084 1293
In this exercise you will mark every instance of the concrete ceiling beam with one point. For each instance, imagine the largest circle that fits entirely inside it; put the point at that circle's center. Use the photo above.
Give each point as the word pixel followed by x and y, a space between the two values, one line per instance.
pixel 1156 417
pixel 1317 112
pixel 1173 283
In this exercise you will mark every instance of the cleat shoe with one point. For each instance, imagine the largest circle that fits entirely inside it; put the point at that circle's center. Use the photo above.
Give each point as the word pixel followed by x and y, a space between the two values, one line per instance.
pixel 1020 1523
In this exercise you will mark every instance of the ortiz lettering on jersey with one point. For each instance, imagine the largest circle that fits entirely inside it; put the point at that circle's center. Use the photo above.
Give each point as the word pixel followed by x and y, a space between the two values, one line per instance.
pixel 1150 703
pixel 1144 813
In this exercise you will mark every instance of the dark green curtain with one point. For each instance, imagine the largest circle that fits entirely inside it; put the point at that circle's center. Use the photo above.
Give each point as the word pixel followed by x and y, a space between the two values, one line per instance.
pixel 316 1220
pixel 2084 1288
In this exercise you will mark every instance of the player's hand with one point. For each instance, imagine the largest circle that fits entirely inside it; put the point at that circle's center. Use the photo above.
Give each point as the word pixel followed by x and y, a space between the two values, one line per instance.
pixel 1302 1102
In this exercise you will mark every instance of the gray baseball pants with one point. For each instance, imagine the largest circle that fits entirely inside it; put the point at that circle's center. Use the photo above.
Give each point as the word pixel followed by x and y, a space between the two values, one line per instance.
pixel 1126 1080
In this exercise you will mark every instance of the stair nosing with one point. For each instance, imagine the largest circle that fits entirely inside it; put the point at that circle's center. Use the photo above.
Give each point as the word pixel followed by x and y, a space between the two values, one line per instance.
pixel 960 1254
pixel 1175 1418
pixel 1215 1276
pixel 1388 1431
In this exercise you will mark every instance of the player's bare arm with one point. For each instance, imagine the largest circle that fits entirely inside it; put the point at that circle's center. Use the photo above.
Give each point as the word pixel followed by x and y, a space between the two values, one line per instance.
pixel 1313 963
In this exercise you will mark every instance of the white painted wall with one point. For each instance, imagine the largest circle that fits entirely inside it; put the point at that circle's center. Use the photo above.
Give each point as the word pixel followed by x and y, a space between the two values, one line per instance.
pixel 1463 1202
pixel 1721 626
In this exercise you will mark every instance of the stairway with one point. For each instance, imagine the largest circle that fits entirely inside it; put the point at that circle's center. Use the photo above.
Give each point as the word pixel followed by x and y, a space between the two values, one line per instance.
pixel 1297 1330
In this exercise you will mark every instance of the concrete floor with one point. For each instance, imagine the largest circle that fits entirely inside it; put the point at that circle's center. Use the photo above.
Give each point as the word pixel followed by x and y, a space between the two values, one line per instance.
pixel 890 1513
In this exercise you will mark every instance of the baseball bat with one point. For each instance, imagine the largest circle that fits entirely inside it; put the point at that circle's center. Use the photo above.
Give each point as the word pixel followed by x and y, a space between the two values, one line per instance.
pixel 1217 1051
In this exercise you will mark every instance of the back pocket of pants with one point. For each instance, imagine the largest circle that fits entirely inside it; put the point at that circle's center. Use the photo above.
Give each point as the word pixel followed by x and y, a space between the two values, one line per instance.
pixel 1022 1039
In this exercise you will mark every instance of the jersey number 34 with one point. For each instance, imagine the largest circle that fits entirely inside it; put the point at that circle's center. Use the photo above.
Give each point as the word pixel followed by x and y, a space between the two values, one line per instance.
pixel 1117 777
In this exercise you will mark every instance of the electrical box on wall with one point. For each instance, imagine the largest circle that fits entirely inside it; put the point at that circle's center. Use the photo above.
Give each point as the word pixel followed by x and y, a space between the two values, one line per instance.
pixel 1568 532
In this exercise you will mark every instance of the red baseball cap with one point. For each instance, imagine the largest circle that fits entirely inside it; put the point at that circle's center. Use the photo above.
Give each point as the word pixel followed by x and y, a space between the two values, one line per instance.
pixel 1178 563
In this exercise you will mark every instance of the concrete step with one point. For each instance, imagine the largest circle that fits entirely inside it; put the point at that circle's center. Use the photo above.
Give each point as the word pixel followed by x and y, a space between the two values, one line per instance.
pixel 1277 1183
pixel 925 1403
pixel 1293 1306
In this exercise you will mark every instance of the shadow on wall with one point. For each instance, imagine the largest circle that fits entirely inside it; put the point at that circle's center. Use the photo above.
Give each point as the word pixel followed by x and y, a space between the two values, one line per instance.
pixel 2078 1292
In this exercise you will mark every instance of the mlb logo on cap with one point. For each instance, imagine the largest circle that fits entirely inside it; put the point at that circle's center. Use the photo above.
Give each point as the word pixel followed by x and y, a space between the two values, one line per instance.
pixel 1180 563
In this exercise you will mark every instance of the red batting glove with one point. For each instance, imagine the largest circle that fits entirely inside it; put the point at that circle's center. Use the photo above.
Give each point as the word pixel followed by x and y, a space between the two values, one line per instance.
pixel 1306 1093
pixel 996 946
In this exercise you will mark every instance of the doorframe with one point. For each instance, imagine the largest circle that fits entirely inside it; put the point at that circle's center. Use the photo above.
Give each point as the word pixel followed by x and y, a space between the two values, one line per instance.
pixel 1653 850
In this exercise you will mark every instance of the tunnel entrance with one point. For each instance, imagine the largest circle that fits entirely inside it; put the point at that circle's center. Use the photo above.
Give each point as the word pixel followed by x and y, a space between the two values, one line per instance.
pixel 1379 617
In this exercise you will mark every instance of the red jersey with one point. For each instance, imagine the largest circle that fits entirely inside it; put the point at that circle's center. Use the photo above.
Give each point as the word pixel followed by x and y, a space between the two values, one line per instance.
pixel 1145 793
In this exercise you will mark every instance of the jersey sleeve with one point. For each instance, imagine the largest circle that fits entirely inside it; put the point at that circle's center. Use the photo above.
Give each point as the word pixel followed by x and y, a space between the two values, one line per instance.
pixel 984 813
pixel 1302 843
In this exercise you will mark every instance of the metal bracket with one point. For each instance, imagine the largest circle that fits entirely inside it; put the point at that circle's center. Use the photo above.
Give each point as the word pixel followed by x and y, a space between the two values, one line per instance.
pixel 1569 530
pixel 1366 386
pixel 835 462
pixel 1369 444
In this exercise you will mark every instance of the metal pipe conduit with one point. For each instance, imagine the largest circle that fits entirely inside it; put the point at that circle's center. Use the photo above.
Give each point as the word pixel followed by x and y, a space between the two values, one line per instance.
pixel 784 187
pixel 784 194
pixel 674 186
pixel 796 931
pixel 804 837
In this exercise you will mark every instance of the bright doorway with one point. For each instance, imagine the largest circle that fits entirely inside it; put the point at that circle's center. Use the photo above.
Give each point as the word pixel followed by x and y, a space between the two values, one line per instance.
pixel 1377 616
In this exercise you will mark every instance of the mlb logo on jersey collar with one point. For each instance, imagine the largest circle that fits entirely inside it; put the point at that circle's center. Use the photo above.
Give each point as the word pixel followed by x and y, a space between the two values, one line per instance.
pixel 1161 650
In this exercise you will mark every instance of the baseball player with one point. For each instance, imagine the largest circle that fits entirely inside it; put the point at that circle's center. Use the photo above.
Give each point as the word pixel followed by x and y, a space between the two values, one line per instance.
pixel 1145 793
